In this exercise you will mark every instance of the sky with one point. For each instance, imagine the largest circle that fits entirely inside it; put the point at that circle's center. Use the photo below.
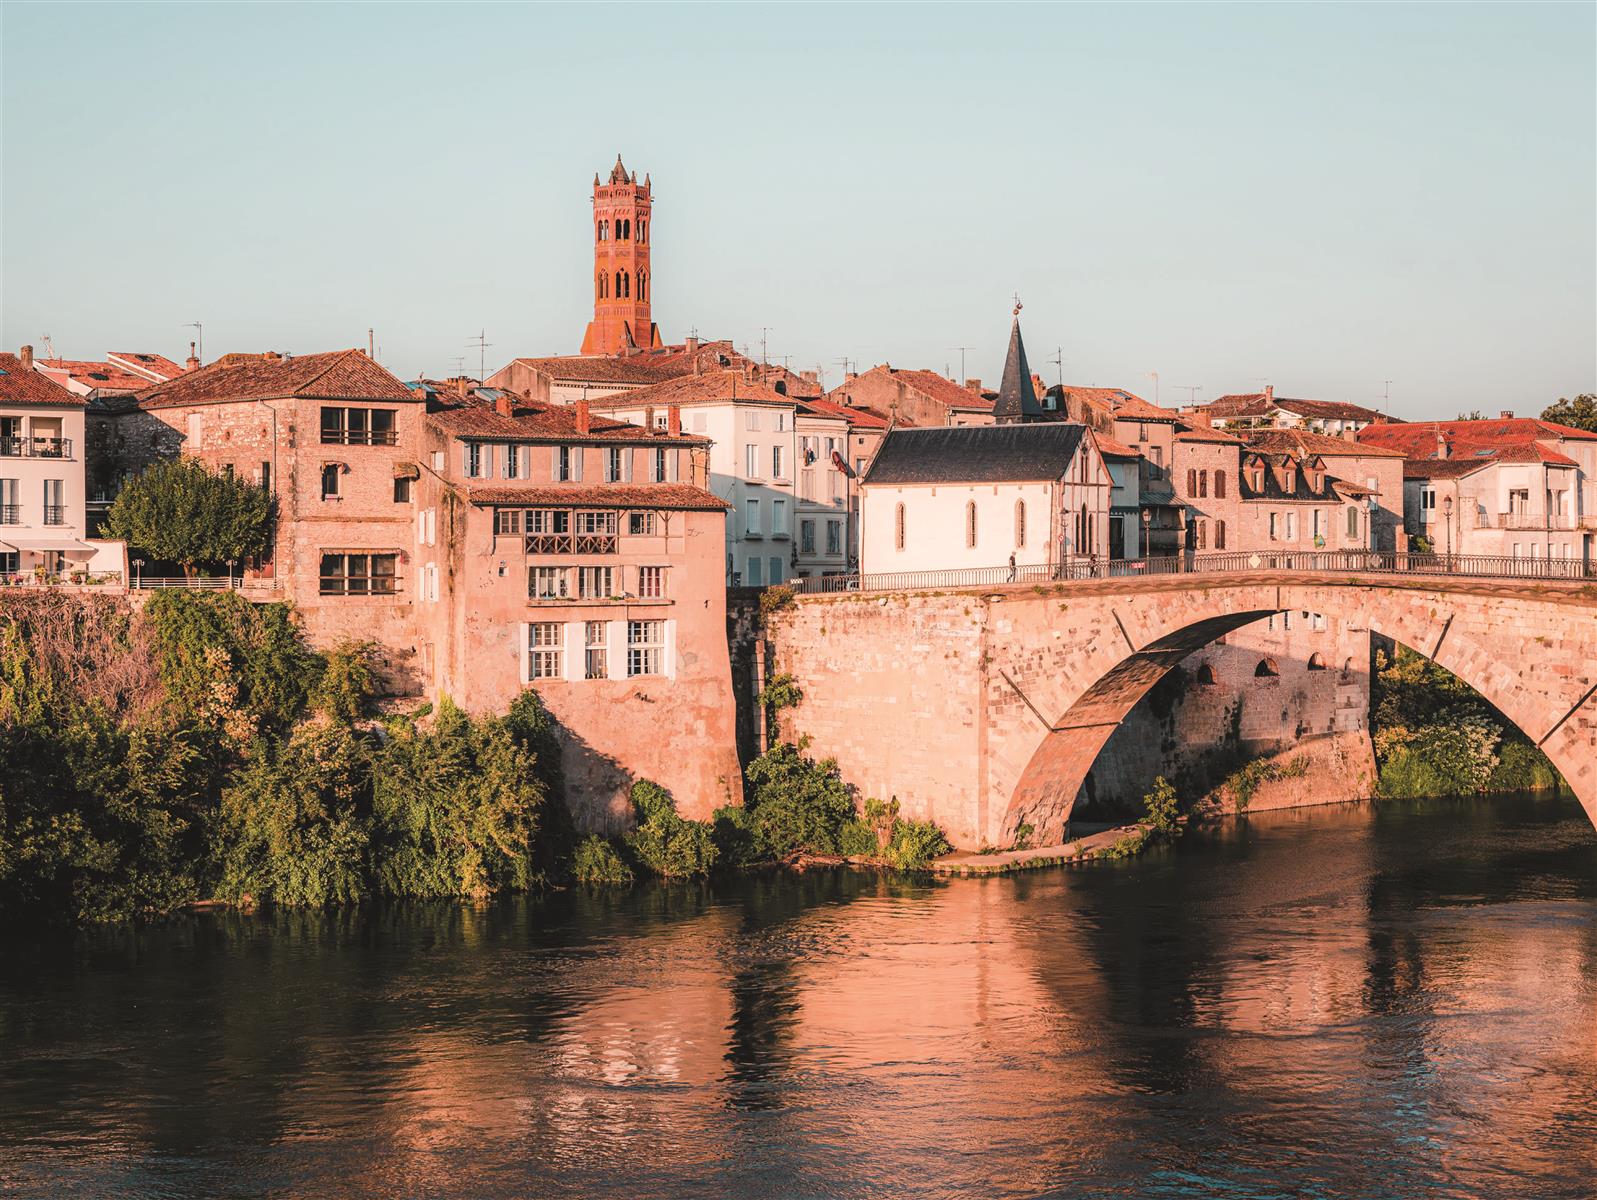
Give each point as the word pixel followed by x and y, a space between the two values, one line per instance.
pixel 1344 201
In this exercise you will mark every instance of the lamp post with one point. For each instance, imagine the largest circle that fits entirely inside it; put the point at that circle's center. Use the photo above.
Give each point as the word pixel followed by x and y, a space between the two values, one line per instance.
pixel 1369 523
pixel 1447 513
pixel 138 564
pixel 230 563
pixel 1147 533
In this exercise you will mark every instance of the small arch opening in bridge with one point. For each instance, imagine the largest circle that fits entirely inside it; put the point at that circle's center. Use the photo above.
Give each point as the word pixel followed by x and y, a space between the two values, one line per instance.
pixel 1267 669
pixel 1316 661
pixel 1206 676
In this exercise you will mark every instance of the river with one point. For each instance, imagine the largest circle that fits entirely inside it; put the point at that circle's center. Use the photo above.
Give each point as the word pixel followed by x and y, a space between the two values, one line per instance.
pixel 1364 1001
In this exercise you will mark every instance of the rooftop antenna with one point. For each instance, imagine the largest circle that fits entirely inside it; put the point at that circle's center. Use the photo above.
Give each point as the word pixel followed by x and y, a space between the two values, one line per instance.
pixel 1386 396
pixel 482 343
pixel 1154 375
pixel 460 364
pixel 962 350
pixel 764 329
pixel 199 331
pixel 1191 390
pixel 844 363
pixel 49 346
pixel 1059 361
pixel 371 344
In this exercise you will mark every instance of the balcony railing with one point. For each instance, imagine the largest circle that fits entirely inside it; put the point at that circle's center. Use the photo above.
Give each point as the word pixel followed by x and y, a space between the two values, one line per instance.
pixel 1352 562
pixel 10 514
pixel 1535 521
pixel 71 578
pixel 35 447
pixel 55 514
pixel 571 543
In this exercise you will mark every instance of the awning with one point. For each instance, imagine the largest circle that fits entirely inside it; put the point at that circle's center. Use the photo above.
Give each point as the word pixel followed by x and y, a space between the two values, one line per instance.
pixel 66 545
pixel 406 470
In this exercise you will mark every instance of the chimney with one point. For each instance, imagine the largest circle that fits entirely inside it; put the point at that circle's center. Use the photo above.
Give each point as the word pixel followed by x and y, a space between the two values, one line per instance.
pixel 973 385
pixel 1442 450
pixel 1506 414
pixel 504 405
pixel 26 355
pixel 648 418
pixel 193 363
pixel 850 376
pixel 1269 393
pixel 673 420
pixel 460 386
pixel 584 418
pixel 691 345
pixel 695 364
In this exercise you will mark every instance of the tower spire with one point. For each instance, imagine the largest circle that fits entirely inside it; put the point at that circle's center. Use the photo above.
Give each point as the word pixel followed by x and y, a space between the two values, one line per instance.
pixel 622 285
pixel 1017 399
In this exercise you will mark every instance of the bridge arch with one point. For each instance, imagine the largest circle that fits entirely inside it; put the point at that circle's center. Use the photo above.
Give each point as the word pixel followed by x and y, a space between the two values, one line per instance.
pixel 1533 691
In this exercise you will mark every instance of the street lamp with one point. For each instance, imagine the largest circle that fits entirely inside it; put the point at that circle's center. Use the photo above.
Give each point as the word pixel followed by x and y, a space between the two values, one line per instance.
pixel 230 572
pixel 137 564
pixel 1447 512
pixel 1147 533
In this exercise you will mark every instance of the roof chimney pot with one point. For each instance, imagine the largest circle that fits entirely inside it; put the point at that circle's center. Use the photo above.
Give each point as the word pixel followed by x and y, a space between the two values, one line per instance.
pixel 673 420
pixel 584 418
pixel 1506 414
pixel 26 355
pixel 193 363
pixel 504 405
pixel 1269 393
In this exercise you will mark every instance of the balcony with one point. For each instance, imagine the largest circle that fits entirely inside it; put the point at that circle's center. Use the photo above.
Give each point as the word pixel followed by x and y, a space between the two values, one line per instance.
pixel 55 514
pixel 35 447
pixel 10 514
pixel 1535 521
pixel 571 543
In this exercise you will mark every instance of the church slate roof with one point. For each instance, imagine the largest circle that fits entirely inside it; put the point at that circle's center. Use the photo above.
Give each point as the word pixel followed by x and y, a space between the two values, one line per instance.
pixel 976 454
pixel 1017 398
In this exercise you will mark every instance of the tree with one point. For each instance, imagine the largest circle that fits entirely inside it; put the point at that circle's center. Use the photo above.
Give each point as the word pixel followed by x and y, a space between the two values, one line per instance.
pixel 177 511
pixel 1579 413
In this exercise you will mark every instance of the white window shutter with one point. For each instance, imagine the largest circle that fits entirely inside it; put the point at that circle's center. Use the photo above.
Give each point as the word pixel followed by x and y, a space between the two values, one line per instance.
pixel 627 455
pixel 554 465
pixel 523 634
pixel 576 463
pixel 670 651
pixel 671 457
pixel 574 650
pixel 616 649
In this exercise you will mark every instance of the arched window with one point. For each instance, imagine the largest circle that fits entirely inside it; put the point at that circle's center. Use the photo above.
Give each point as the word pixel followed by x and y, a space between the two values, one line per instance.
pixel 1192 481
pixel 617 291
pixel 1203 482
pixel 626 286
pixel 779 387
pixel 1020 524
pixel 898 527
pixel 598 288
pixel 643 286
pixel 1086 532
pixel 1219 485
pixel 1206 676
pixel 643 231
pixel 1347 669
pixel 1266 669
pixel 1219 535
pixel 970 523
pixel 1316 661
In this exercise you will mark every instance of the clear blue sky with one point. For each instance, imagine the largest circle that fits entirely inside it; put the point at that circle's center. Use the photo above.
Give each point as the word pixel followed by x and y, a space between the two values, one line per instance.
pixel 1321 197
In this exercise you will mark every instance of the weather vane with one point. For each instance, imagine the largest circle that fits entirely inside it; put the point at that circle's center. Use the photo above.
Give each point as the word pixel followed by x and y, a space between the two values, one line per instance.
pixel 1018 305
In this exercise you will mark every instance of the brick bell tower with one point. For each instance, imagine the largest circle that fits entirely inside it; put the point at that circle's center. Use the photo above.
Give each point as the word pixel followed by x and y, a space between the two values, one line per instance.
pixel 622 287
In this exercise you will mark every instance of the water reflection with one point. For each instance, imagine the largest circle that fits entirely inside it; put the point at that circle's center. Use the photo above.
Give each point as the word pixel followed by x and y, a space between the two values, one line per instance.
pixel 1388 1001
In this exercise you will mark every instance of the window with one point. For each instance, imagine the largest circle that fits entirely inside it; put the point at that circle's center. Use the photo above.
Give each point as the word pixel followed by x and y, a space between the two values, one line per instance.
pixel 657 468
pixel 1219 485
pixel 596 583
pixel 543 649
pixel 10 504
pixel 1200 529
pixel 549 583
pixel 776 462
pixel 596 650
pixel 776 570
pixel 402 490
pixel 1427 503
pixel 651 583
pixel 1291 526
pixel 567 464
pixel 641 524
pixel 330 481
pixel 507 520
pixel 475 461
pixel 1219 535
pixel 645 647
pixel 898 527
pixel 970 523
pixel 1206 675
pixel 834 537
pixel 1203 483
pixel 751 461
pixel 751 518
pixel 1192 481
pixel 779 518
pixel 358 427
pixel 612 465
pixel 1316 661
pixel 751 420
pixel 806 537
pixel 755 576
pixel 358 574
pixel 1020 524
pixel 55 508
pixel 597 523
pixel 1266 669
pixel 1353 520
pixel 513 462
pixel 780 422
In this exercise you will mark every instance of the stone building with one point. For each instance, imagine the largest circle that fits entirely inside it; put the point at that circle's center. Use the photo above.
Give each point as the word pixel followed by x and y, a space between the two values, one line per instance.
pixel 580 556
pixel 1264 410
pixel 622 283
pixel 918 398
pixel 43 517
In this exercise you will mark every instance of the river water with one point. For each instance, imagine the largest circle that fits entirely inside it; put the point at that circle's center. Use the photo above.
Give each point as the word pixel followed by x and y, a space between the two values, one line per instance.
pixel 1366 1001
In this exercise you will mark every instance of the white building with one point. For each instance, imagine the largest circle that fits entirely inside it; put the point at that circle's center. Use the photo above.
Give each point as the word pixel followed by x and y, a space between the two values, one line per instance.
pixel 42 518
pixel 954 498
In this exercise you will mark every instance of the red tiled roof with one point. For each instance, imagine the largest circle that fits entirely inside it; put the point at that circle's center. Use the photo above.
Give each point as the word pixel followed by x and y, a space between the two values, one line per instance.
pixel 637 368
pixel 598 495
pixel 1465 458
pixel 335 375
pixel 857 415
pixel 1186 432
pixel 155 364
pixel 532 421
pixel 1443 468
pixel 1127 406
pixel 1306 441
pixel 1417 439
pixel 1257 404
pixel 1108 446
pixel 711 387
pixel 23 385
pixel 92 374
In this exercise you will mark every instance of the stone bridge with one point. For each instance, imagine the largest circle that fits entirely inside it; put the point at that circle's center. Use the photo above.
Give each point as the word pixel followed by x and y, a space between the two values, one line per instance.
pixel 982 707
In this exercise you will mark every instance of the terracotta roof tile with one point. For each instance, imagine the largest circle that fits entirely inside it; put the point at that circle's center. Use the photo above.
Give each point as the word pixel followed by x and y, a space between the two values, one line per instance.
pixel 1306 441
pixel 532 421
pixel 23 385
pixel 1257 404
pixel 598 495
pixel 857 415
pixel 1108 446
pixel 90 374
pixel 336 375
pixel 1418 438
pixel 154 364
pixel 712 387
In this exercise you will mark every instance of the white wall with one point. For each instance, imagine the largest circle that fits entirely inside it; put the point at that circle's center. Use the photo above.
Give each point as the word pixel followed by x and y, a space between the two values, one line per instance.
pixel 935 537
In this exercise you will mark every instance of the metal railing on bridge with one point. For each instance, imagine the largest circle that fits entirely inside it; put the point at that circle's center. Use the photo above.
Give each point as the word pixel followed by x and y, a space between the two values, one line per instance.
pixel 1350 562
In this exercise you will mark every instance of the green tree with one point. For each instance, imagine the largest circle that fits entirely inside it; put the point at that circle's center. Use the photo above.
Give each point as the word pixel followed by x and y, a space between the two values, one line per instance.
pixel 798 804
pixel 1579 413
pixel 177 511
pixel 664 843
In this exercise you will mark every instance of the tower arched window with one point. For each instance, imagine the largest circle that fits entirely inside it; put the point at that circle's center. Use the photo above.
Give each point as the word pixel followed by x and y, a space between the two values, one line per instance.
pixel 626 286
pixel 1316 661
pixel 643 231
pixel 598 287
pixel 604 232
pixel 970 523
pixel 1086 531
pixel 1020 524
pixel 898 527
pixel 1206 676
pixel 643 286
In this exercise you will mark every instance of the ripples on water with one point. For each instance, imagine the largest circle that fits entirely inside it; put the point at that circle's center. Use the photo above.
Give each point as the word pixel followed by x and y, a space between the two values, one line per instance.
pixel 1393 1001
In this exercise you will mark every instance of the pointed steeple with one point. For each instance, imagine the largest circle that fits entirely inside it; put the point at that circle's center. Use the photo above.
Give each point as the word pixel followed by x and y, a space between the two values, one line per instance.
pixel 618 173
pixel 1017 399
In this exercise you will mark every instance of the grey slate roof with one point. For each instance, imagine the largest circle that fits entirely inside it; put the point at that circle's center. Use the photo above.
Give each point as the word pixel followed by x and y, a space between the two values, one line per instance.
pixel 976 454
pixel 1017 399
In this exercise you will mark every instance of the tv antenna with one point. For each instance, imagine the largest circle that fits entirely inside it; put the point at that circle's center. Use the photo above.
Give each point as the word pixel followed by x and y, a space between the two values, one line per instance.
pixel 199 333
pixel 962 350
pixel 764 329
pixel 1059 361
pixel 482 343
pixel 846 365
pixel 460 364
pixel 1386 396
pixel 1192 390
pixel 49 346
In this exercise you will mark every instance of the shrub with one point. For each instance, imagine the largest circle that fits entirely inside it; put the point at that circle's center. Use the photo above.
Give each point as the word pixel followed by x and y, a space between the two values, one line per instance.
pixel 178 511
pixel 596 861
pixel 914 844
pixel 857 839
pixel 737 838
pixel 775 599
pixel 1523 768
pixel 664 843
pixel 798 804
pixel 1163 808
pixel 1457 758
pixel 346 683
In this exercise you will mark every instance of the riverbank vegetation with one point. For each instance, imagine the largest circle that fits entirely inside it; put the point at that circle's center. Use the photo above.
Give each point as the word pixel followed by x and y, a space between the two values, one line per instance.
pixel 201 751
pixel 1435 736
